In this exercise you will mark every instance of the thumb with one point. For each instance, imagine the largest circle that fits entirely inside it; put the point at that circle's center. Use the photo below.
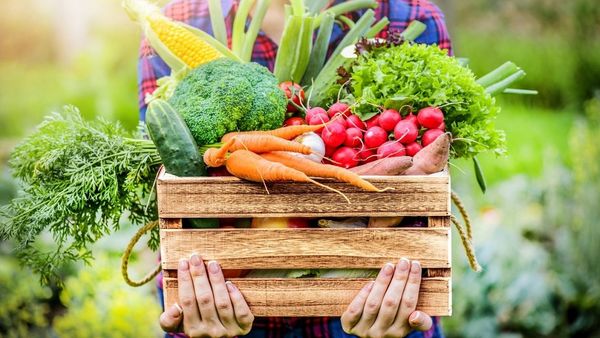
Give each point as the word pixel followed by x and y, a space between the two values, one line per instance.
pixel 420 321
pixel 171 318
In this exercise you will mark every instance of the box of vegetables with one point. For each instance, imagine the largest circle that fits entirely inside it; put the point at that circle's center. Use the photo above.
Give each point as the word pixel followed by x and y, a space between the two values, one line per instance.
pixel 301 182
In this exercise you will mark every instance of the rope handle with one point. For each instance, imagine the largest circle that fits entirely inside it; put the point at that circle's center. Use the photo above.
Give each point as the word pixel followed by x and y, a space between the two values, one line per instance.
pixel 466 235
pixel 127 254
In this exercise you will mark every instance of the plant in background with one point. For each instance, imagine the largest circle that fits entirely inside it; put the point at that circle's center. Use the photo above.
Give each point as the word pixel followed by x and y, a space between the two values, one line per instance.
pixel 100 305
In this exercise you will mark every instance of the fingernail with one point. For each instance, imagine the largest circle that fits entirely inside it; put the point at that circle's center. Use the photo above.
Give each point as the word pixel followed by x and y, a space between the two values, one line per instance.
pixel 175 310
pixel 195 260
pixel 230 286
pixel 404 264
pixel 213 267
pixel 416 266
pixel 416 317
pixel 388 269
pixel 183 265
pixel 369 286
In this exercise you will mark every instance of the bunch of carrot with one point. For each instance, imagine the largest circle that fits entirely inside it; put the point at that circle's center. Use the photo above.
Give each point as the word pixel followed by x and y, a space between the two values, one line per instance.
pixel 268 156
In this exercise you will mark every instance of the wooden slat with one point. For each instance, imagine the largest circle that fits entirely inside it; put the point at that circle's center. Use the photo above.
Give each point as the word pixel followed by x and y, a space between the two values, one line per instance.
pixel 306 248
pixel 222 197
pixel 307 297
pixel 441 222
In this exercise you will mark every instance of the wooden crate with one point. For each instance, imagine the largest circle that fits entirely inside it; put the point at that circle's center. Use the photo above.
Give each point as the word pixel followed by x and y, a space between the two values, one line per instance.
pixel 227 197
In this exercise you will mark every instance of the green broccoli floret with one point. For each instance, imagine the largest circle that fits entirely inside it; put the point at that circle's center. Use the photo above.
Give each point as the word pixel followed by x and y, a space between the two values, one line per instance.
pixel 224 95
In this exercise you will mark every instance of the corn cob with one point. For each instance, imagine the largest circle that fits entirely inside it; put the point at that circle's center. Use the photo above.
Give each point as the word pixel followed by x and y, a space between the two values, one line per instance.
pixel 171 40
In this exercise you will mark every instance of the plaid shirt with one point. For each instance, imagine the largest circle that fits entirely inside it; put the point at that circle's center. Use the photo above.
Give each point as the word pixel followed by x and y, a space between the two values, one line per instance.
pixel 195 13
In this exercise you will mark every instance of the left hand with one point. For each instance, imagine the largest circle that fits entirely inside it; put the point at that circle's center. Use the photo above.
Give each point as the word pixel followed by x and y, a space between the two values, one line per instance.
pixel 386 307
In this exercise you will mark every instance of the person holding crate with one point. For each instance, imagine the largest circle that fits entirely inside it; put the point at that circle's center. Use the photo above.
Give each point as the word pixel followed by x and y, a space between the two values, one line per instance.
pixel 210 307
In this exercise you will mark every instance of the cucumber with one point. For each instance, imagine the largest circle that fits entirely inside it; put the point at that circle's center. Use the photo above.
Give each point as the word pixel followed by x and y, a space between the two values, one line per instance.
pixel 177 149
pixel 174 141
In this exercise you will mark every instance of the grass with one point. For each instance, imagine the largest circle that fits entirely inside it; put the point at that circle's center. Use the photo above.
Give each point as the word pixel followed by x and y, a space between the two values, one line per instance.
pixel 531 133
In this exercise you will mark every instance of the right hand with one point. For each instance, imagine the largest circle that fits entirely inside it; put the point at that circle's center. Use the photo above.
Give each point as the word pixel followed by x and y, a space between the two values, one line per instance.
pixel 209 306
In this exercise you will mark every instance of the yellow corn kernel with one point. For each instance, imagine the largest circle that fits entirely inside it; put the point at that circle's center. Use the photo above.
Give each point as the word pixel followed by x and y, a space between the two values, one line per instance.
pixel 192 50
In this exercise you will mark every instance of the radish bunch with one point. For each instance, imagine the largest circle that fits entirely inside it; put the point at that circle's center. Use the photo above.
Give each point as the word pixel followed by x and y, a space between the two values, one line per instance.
pixel 349 141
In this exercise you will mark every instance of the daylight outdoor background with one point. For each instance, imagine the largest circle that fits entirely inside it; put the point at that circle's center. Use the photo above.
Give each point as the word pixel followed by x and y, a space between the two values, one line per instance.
pixel 537 228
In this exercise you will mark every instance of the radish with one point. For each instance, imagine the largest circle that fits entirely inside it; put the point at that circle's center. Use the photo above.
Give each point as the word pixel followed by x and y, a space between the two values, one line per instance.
pixel 315 143
pixel 315 111
pixel 339 109
pixel 345 157
pixel 430 117
pixel 353 137
pixel 373 121
pixel 329 150
pixel 413 148
pixel 442 126
pixel 339 120
pixel 375 136
pixel 355 121
pixel 406 132
pixel 412 118
pixel 391 149
pixel 334 134
pixel 294 121
pixel 388 119
pixel 366 155
pixel 430 135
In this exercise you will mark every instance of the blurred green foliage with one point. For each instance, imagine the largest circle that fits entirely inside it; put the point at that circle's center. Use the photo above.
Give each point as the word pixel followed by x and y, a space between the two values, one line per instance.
pixel 24 302
pixel 101 305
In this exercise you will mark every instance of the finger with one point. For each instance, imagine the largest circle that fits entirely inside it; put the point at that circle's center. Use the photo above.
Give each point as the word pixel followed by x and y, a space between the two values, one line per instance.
pixel 393 296
pixel 351 316
pixel 243 316
pixel 187 296
pixel 170 320
pixel 410 295
pixel 420 321
pixel 220 294
pixel 203 290
pixel 373 303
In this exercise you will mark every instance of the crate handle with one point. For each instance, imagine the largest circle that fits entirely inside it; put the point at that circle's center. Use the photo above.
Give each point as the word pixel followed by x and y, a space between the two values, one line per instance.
pixel 127 255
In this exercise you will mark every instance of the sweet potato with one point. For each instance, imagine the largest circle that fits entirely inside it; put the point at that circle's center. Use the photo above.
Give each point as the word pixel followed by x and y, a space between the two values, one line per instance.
pixel 389 166
pixel 433 158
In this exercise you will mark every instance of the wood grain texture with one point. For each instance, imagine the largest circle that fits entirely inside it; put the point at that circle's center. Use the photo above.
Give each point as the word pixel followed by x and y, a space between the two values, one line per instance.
pixel 441 222
pixel 307 248
pixel 308 297
pixel 170 223
pixel 215 197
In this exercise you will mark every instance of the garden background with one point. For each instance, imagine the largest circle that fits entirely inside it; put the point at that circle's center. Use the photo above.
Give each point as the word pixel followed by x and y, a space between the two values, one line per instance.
pixel 537 228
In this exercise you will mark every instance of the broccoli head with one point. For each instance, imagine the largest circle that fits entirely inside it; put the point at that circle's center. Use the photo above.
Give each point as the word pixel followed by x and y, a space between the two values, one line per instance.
pixel 224 95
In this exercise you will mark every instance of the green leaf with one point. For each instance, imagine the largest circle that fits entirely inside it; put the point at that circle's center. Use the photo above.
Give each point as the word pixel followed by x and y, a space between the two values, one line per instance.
pixel 479 175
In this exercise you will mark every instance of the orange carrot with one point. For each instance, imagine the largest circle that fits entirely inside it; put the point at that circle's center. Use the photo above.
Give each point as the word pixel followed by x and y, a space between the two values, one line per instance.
pixel 319 170
pixel 215 157
pixel 259 143
pixel 288 133
pixel 250 166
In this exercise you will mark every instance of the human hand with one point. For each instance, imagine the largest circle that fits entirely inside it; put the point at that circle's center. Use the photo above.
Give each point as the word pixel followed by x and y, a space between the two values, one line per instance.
pixel 210 307
pixel 386 307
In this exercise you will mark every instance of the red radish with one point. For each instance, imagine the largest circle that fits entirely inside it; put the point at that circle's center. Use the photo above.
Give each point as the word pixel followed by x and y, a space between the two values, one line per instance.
pixel 294 93
pixel 406 132
pixel 315 111
pixel 339 120
pixel 375 136
pixel 345 157
pixel 373 121
pixel 353 137
pixel 366 155
pixel 430 135
pixel 412 118
pixel 329 150
pixel 391 149
pixel 388 119
pixel 334 135
pixel 339 109
pixel 442 126
pixel 355 121
pixel 413 148
pixel 430 117
pixel 294 121
pixel 318 119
